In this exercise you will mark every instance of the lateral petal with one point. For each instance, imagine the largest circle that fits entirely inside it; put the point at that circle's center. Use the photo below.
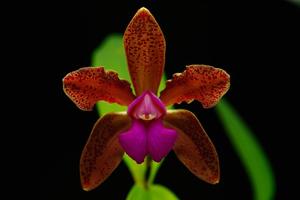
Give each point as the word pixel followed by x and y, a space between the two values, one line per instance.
pixel 204 83
pixel 88 85
pixel 193 146
pixel 102 152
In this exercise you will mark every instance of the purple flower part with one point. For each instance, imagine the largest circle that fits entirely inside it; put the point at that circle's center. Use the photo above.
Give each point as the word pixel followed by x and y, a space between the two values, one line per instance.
pixel 147 134
pixel 147 137
pixel 160 140
pixel 146 107
pixel 134 141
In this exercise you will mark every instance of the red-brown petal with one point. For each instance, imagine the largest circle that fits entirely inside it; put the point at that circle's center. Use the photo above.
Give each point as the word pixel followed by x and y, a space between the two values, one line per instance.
pixel 193 146
pixel 204 83
pixel 145 47
pixel 102 152
pixel 88 85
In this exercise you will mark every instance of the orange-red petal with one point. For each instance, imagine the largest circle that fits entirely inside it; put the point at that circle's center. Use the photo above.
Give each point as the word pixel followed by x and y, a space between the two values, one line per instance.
pixel 145 47
pixel 193 146
pixel 204 83
pixel 88 85
pixel 102 153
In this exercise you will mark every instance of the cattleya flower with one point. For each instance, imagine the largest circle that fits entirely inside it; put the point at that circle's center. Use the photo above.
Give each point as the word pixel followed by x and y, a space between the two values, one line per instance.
pixel 148 128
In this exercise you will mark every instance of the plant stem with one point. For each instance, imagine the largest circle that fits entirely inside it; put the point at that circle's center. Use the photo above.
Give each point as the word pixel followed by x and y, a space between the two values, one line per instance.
pixel 148 171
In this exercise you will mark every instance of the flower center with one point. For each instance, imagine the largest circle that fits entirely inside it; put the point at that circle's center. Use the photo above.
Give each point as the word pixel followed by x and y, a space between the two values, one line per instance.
pixel 146 107
pixel 147 134
pixel 147 116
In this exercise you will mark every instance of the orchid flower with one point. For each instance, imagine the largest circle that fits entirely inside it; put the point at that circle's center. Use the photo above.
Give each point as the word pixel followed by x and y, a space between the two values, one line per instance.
pixel 147 128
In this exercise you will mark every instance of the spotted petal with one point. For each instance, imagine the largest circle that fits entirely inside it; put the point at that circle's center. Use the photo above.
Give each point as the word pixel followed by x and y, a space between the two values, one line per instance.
pixel 102 153
pixel 145 50
pixel 193 146
pixel 201 82
pixel 88 85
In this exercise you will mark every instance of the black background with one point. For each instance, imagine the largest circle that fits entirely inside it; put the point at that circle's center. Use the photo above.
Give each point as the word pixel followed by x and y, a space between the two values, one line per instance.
pixel 256 42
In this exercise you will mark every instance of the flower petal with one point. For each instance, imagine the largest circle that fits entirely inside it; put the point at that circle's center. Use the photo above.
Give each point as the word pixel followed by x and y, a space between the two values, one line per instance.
pixel 88 85
pixel 102 152
pixel 145 50
pixel 134 141
pixel 201 82
pixel 193 146
pixel 160 140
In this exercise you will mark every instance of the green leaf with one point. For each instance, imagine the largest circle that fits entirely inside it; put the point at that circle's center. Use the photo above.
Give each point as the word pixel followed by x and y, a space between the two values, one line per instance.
pixel 111 55
pixel 250 152
pixel 154 192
